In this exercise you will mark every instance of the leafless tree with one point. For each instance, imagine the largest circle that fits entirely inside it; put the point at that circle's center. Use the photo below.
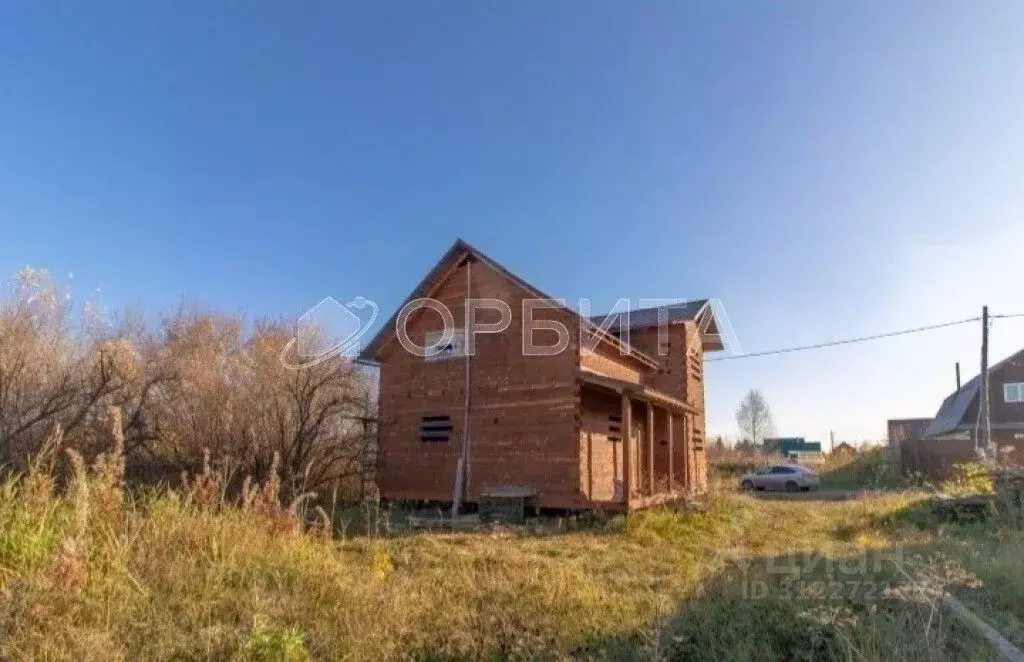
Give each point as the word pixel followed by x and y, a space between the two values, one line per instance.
pixel 754 417
pixel 51 372
pixel 316 418
pixel 218 389
pixel 199 382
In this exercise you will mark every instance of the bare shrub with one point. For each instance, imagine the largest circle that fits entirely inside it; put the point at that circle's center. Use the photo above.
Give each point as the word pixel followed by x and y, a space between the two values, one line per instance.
pixel 52 371
pixel 168 397
pixel 307 428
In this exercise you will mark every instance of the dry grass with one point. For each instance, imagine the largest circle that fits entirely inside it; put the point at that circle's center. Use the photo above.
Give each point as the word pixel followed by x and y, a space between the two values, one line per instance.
pixel 98 574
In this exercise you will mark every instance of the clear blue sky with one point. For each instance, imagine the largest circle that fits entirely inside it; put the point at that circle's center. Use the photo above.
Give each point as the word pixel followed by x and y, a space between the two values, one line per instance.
pixel 825 169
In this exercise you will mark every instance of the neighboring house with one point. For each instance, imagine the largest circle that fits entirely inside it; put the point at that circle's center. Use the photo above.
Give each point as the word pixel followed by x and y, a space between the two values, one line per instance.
pixel 906 429
pixel 958 417
pixel 788 446
pixel 601 424
pixel 950 437
pixel 903 431
pixel 843 448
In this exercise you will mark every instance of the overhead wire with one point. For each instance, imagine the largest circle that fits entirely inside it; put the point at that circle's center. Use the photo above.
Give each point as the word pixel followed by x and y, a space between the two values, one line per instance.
pixel 849 341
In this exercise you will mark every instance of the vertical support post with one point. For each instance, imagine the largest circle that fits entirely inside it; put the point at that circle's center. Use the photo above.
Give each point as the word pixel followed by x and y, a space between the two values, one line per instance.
pixel 590 465
pixel 462 468
pixel 650 447
pixel 671 451
pixel 363 446
pixel 983 401
pixel 627 449
pixel 958 375
pixel 688 461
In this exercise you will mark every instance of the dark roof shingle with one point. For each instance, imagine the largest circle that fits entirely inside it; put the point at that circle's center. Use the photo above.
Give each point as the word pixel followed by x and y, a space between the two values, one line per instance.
pixel 642 318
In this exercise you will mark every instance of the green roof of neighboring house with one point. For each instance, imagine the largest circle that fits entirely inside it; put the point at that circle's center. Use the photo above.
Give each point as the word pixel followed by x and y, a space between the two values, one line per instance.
pixel 787 445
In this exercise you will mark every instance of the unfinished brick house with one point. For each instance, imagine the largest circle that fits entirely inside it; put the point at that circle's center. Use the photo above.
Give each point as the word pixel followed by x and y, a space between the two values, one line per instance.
pixel 602 424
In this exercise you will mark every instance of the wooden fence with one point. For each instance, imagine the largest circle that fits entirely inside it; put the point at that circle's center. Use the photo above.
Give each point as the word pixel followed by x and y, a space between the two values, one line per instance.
pixel 935 457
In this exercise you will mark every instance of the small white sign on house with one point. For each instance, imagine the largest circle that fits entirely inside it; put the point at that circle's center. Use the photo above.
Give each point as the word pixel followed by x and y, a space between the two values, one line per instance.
pixel 456 348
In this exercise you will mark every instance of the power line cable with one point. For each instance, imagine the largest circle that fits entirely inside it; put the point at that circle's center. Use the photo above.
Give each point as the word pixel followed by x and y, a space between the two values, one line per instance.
pixel 848 341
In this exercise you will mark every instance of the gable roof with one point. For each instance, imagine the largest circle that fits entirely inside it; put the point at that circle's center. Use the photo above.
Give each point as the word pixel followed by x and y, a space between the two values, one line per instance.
pixel 459 252
pixel 699 310
pixel 950 415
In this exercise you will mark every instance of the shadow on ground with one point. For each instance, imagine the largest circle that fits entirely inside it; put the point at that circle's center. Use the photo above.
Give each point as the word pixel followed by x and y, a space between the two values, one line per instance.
pixel 810 495
pixel 400 519
pixel 789 607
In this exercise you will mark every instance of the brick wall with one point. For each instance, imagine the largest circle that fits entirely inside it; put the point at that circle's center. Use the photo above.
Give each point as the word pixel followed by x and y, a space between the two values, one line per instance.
pixel 606 360
pixel 601 446
pixel 530 423
pixel 680 373
pixel 523 427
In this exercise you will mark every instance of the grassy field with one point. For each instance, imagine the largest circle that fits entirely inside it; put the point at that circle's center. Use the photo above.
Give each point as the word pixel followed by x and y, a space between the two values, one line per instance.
pixel 99 574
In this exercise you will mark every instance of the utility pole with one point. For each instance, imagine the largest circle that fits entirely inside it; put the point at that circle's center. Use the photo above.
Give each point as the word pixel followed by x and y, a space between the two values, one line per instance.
pixel 957 375
pixel 985 431
pixel 832 441
pixel 462 468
